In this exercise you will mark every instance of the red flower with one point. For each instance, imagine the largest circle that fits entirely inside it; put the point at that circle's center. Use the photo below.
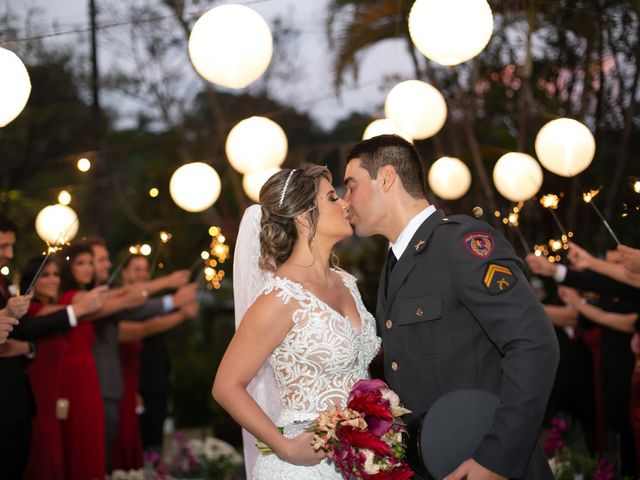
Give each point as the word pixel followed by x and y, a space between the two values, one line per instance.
pixel 402 472
pixel 356 438
pixel 371 403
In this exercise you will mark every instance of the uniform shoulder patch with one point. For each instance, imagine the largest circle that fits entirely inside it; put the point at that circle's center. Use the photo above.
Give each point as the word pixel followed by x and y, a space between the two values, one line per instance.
pixel 498 279
pixel 479 244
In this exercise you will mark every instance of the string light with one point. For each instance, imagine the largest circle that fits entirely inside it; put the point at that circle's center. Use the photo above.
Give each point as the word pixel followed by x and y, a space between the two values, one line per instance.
pixel 84 164
pixel 153 193
pixel 64 198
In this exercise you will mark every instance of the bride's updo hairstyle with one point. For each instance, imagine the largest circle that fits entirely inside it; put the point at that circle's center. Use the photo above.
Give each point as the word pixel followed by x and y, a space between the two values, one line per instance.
pixel 283 197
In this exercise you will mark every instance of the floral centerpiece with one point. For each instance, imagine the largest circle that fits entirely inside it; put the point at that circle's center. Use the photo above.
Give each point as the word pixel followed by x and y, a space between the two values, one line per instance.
pixel 569 457
pixel 210 458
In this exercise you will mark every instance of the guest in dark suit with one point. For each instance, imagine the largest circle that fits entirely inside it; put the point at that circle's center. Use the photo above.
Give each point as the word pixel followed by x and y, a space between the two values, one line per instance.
pixel 454 310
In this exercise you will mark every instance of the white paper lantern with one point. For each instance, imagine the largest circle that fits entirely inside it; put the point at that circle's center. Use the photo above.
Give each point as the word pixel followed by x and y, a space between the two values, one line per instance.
pixel 253 182
pixel 449 178
pixel 57 224
pixel 15 86
pixel 195 186
pixel 517 176
pixel 450 31
pixel 384 126
pixel 231 45
pixel 256 144
pixel 417 108
pixel 565 147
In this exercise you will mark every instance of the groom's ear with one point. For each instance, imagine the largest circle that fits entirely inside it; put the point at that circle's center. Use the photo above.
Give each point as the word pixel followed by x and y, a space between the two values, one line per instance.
pixel 386 176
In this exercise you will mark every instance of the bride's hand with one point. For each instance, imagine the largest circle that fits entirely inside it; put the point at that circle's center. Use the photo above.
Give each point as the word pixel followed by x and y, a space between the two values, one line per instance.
pixel 299 451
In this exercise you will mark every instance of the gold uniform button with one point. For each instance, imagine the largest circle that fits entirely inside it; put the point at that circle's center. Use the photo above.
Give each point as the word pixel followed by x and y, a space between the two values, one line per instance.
pixel 388 324
pixel 394 366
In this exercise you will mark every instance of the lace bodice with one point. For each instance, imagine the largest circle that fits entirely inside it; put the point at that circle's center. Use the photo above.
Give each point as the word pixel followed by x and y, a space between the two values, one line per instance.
pixel 323 355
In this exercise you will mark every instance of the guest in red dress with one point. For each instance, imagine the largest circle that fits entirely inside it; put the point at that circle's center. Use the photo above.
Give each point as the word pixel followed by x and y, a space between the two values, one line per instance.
pixel 83 432
pixel 127 447
pixel 45 374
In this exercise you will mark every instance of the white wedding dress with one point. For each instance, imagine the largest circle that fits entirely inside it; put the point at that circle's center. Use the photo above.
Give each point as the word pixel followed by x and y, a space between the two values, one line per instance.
pixel 315 366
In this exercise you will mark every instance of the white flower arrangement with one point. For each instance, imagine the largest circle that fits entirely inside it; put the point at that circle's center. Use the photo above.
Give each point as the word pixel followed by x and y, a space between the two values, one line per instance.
pixel 127 475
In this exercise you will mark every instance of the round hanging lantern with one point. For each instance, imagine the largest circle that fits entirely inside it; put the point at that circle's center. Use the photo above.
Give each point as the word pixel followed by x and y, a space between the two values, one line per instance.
pixel 253 182
pixel 565 147
pixel 450 31
pixel 231 45
pixel 256 144
pixel 57 224
pixel 384 126
pixel 15 86
pixel 449 178
pixel 517 176
pixel 417 108
pixel 195 186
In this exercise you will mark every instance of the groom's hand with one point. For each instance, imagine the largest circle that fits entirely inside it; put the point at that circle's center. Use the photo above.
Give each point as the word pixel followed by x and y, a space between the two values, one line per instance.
pixel 471 470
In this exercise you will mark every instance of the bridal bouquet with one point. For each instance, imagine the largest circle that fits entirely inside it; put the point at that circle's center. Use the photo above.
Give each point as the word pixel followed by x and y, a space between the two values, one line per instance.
pixel 365 439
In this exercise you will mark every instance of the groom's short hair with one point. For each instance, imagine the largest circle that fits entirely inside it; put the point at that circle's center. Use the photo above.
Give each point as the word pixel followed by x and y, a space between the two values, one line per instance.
pixel 376 152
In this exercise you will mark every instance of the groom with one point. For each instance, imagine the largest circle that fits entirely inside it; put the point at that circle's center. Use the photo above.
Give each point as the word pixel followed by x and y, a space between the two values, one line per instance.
pixel 454 310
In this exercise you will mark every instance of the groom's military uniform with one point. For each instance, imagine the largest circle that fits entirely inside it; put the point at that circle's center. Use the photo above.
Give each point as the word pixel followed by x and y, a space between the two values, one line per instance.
pixel 456 312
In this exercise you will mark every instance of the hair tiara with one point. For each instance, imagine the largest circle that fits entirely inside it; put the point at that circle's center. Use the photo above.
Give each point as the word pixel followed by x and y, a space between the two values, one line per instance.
pixel 286 185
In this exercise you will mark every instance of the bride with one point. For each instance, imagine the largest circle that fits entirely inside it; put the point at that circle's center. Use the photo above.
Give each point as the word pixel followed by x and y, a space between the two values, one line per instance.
pixel 306 325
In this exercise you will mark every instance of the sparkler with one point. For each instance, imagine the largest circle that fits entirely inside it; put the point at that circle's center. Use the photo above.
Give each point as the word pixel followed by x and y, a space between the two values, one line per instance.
pixel 164 238
pixel 550 202
pixel 513 220
pixel 588 197
pixel 137 249
pixel 217 254
pixel 51 249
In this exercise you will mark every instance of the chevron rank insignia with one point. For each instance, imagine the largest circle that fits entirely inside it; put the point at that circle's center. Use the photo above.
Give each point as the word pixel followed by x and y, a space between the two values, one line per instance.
pixel 498 279
pixel 479 244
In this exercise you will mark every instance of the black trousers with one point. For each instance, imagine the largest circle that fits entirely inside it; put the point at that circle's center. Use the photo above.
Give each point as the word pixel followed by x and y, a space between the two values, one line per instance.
pixel 15 440
pixel 152 420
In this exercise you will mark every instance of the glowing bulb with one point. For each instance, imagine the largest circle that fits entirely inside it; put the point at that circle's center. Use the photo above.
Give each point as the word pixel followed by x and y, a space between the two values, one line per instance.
pixel 84 164
pixel 213 231
pixel 221 238
pixel 4 270
pixel 64 198
pixel 133 250
pixel 145 249
pixel 165 237
pixel 153 193
pixel 636 186
pixel 204 255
